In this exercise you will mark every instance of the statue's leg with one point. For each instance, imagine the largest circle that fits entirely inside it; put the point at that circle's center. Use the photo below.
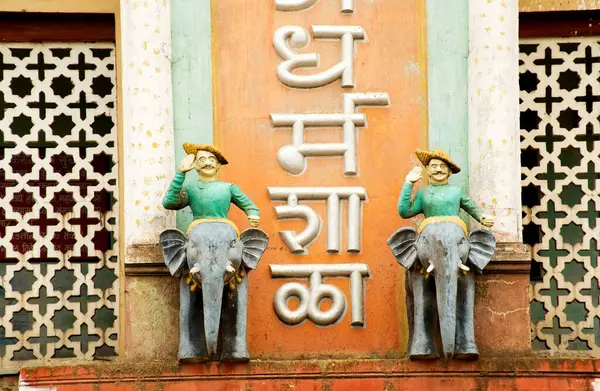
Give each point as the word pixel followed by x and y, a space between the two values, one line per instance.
pixel 192 346
pixel 233 323
pixel 425 317
pixel 465 347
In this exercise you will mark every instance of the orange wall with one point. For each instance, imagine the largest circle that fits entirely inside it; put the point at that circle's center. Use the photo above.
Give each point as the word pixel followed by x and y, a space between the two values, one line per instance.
pixel 246 90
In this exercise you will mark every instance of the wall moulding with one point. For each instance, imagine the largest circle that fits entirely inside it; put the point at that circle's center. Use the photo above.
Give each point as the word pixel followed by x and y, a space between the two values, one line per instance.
pixel 143 253
pixel 520 374
pixel 62 6
pixel 150 269
pixel 553 5
pixel 509 258
pixel 27 27
pixel 559 24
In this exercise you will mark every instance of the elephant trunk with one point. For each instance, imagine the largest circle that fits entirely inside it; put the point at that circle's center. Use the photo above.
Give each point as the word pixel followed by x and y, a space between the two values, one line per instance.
pixel 446 283
pixel 212 297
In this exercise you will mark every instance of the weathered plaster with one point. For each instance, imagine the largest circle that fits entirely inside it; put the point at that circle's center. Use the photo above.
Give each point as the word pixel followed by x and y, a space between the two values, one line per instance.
pixel 152 329
pixel 192 81
pixel 558 5
pixel 502 326
pixel 494 154
pixel 147 120
pixel 447 48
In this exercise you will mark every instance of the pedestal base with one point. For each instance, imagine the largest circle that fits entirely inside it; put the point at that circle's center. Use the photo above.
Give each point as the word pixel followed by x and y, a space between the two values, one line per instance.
pixel 498 374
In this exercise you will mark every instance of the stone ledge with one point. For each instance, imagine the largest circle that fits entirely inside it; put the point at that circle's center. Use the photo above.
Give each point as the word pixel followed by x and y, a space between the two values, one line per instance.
pixel 146 269
pixel 143 254
pixel 514 374
pixel 510 258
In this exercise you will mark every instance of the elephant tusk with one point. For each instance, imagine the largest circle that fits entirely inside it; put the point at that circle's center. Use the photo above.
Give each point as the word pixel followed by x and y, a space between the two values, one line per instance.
pixel 428 271
pixel 191 281
pixel 463 267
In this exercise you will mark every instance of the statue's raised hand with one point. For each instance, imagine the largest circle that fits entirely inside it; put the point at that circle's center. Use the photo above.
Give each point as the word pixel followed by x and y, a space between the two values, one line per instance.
pixel 187 164
pixel 253 221
pixel 414 175
pixel 487 220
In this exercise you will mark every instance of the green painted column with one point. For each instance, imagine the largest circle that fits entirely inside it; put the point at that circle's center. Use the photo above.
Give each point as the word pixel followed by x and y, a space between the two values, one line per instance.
pixel 192 81
pixel 447 51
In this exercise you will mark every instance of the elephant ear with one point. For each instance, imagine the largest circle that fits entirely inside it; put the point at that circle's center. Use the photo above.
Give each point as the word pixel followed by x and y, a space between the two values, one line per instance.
pixel 402 244
pixel 172 243
pixel 255 243
pixel 483 245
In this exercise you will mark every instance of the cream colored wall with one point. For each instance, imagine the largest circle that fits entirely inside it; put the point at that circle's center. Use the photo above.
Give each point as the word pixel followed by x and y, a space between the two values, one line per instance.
pixel 558 5
pixel 91 6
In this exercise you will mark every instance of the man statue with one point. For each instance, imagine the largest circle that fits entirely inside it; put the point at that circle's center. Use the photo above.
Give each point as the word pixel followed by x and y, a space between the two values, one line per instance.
pixel 208 198
pixel 213 259
pixel 443 246
pixel 439 199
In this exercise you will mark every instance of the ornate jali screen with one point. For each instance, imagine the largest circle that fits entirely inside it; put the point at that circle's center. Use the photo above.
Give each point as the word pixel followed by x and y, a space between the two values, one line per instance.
pixel 58 207
pixel 560 158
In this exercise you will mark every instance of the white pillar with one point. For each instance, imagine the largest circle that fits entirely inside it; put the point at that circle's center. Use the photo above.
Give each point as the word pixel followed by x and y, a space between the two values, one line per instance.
pixel 148 149
pixel 494 153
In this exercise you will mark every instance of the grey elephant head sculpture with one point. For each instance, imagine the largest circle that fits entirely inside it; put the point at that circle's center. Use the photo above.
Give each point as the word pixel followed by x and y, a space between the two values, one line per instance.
pixel 213 319
pixel 443 250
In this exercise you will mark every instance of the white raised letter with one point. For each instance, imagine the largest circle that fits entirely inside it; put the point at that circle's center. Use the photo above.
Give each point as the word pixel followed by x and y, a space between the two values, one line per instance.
pixel 288 37
pixel 292 157
pixel 309 299
pixel 297 242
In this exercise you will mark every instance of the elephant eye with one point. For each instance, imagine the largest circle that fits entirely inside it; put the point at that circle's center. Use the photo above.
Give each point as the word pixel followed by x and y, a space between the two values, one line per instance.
pixel 233 243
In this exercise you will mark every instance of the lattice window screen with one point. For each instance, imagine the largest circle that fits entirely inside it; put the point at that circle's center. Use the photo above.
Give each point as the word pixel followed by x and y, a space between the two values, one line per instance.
pixel 58 209
pixel 560 158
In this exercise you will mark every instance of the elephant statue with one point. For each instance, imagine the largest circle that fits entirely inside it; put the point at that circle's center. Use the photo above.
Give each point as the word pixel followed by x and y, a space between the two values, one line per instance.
pixel 215 260
pixel 442 249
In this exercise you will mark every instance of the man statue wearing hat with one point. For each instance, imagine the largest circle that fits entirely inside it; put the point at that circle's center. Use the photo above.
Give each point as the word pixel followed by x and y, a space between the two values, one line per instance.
pixel 212 260
pixel 442 246
pixel 439 200
pixel 208 198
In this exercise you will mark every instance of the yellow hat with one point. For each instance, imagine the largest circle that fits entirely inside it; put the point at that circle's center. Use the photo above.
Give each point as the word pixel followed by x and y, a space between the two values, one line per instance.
pixel 426 156
pixel 192 149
